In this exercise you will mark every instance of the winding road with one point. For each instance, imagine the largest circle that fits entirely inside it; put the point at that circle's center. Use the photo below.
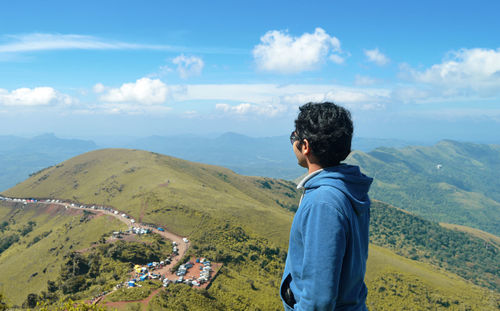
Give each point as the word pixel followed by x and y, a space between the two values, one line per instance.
pixel 181 245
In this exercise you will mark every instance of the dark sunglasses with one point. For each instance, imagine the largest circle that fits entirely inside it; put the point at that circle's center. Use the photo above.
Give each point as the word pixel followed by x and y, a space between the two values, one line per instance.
pixel 294 137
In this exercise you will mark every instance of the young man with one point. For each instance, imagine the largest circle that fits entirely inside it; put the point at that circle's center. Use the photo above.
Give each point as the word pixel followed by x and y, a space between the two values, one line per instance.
pixel 328 247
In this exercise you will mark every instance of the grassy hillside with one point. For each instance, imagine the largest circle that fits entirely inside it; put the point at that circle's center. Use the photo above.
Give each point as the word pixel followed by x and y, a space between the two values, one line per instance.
pixel 487 237
pixel 469 256
pixel 449 182
pixel 168 191
pixel 240 221
pixel 45 236
pixel 398 283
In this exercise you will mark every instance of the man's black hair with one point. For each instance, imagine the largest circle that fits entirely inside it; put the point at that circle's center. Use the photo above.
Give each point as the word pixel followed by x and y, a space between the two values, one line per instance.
pixel 328 129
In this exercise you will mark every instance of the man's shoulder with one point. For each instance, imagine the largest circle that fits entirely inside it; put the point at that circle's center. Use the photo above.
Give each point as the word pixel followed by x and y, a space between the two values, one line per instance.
pixel 326 197
pixel 325 193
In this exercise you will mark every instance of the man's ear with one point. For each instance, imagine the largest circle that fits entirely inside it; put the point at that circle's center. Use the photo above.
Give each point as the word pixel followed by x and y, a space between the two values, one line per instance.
pixel 306 148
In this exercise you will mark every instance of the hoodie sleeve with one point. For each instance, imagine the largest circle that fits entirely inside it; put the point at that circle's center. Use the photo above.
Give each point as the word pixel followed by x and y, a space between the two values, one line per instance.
pixel 324 230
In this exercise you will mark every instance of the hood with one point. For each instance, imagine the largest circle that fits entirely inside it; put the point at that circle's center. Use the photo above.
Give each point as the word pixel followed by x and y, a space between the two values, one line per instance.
pixel 349 180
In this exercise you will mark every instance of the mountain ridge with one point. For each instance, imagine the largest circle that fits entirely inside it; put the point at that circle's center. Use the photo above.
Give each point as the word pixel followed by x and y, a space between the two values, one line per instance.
pixel 448 182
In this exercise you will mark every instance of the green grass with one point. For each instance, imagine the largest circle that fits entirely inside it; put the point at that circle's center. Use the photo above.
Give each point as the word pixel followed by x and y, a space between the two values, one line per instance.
pixel 412 285
pixel 134 293
pixel 26 269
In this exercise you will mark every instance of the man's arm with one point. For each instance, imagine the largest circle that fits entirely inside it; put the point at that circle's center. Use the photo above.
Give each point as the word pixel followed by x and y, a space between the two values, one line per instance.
pixel 324 230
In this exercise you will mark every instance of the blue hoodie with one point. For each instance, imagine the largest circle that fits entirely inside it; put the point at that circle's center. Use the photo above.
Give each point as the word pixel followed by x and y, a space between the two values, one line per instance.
pixel 328 248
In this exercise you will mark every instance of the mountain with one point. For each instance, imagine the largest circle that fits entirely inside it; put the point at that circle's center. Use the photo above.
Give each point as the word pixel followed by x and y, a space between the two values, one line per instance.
pixel 254 156
pixel 152 187
pixel 20 157
pixel 451 182
pixel 367 144
pixel 264 156
pixel 240 221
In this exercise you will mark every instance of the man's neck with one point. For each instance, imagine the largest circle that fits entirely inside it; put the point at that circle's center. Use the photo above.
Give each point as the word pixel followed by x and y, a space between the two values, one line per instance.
pixel 313 167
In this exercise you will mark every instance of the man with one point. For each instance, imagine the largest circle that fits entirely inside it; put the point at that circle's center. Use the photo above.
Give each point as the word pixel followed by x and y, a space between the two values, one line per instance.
pixel 328 247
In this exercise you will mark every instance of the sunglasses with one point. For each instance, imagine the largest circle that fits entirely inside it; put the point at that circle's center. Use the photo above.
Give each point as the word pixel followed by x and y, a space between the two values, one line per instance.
pixel 294 137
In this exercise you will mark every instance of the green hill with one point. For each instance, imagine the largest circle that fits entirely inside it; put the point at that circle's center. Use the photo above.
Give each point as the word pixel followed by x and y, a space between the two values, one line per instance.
pixel 449 182
pixel 240 221
pixel 398 283
pixel 487 237
pixel 471 257
pixel 176 193
pixel 43 237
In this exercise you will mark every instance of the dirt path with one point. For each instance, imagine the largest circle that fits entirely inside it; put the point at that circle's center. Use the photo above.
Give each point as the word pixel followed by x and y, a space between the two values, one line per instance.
pixel 144 302
pixel 181 245
pixel 143 209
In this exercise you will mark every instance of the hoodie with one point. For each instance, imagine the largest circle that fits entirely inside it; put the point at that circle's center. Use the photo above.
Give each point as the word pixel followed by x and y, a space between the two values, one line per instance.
pixel 328 247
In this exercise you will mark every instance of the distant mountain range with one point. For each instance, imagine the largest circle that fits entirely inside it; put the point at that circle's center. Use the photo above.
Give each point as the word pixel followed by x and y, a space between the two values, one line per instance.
pixel 20 157
pixel 266 156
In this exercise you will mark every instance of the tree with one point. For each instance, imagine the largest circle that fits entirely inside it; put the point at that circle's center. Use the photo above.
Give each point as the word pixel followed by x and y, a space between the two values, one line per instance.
pixel 3 303
pixel 31 301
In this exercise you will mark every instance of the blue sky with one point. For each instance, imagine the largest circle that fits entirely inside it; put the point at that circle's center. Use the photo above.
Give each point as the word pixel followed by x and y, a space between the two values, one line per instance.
pixel 424 70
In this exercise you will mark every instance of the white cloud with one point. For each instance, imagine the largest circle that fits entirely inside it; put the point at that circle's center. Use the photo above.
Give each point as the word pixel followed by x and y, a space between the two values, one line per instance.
pixel 410 95
pixel 38 96
pixel 144 91
pixel 188 66
pixel 291 95
pixel 189 114
pixel 267 93
pixel 44 41
pixel 357 96
pixel 133 109
pixel 267 110
pixel 336 59
pixel 120 108
pixel 282 53
pixel 454 114
pixel 47 41
pixel 364 80
pixel 274 100
pixel 351 97
pixel 255 93
pixel 99 88
pixel 473 71
pixel 287 100
pixel 377 57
